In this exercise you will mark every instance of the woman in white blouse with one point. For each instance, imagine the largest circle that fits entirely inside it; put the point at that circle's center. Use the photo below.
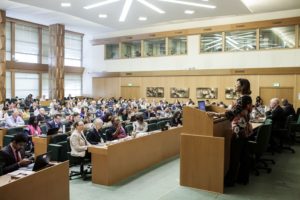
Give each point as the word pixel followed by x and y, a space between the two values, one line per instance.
pixel 139 125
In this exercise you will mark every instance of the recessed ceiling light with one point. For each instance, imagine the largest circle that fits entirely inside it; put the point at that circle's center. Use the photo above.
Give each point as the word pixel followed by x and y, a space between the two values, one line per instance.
pixel 102 15
pixel 189 3
pixel 65 4
pixel 102 3
pixel 125 10
pixel 153 7
pixel 189 12
pixel 142 18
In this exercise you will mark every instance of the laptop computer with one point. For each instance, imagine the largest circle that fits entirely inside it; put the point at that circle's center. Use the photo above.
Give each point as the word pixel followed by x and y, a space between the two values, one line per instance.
pixel 201 105
pixel 41 162
pixel 52 131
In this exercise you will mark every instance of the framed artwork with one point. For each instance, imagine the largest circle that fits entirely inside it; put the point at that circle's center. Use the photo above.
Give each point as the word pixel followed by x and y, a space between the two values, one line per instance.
pixel 207 93
pixel 180 92
pixel 155 92
pixel 230 93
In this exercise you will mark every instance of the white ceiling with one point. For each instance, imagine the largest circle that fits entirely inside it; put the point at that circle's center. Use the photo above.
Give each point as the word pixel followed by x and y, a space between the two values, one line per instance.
pixel 87 21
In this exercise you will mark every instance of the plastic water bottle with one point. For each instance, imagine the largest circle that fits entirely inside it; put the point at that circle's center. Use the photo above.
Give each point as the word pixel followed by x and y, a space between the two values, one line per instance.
pixel 64 128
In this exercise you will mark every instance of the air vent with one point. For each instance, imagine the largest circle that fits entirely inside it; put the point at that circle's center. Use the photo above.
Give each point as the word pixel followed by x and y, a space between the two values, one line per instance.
pixel 239 71
pixel 178 32
pixel 207 29
pixel 129 38
pixel 278 22
pixel 128 74
pixel 240 26
pixel 152 35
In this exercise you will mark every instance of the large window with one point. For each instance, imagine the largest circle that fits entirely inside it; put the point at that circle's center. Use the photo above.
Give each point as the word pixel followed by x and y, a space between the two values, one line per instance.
pixel 73 85
pixel 277 37
pixel 73 49
pixel 112 51
pixel 45 45
pixel 211 42
pixel 155 47
pixel 177 45
pixel 131 49
pixel 45 85
pixel 8 40
pixel 8 84
pixel 27 47
pixel 26 83
pixel 240 40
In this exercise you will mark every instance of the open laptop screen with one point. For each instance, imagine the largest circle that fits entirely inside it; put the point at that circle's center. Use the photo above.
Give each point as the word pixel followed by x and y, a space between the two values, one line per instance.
pixel 201 105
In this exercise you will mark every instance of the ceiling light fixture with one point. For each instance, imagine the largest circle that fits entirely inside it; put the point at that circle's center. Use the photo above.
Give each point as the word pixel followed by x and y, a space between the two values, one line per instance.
pixel 189 3
pixel 125 10
pixel 65 4
pixel 142 18
pixel 189 12
pixel 102 15
pixel 153 7
pixel 100 4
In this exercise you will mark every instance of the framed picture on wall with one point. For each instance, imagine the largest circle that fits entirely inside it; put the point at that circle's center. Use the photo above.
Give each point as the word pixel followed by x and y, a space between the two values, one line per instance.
pixel 155 92
pixel 180 92
pixel 230 93
pixel 207 93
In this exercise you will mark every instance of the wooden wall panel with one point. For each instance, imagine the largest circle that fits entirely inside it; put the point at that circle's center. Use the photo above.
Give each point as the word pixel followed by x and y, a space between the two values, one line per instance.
pixel 108 88
pixel 2 56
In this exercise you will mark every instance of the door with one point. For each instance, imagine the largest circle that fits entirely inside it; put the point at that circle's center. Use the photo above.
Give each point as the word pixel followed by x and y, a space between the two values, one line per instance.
pixel 267 93
pixel 130 92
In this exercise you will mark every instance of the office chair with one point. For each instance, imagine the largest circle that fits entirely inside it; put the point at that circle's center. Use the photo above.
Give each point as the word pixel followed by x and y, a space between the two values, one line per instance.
pixel 152 127
pixel 81 161
pixel 285 136
pixel 259 147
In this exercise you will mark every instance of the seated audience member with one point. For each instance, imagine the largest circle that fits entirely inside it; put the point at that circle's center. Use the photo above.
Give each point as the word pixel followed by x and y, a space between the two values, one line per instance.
pixel 176 119
pixel 28 100
pixel 93 107
pixel 33 126
pixel 42 117
pixel 3 112
pixel 123 114
pixel 78 141
pixel 149 113
pixel 26 113
pixel 140 125
pixel 56 122
pixel 95 135
pixel 107 119
pixel 14 120
pixel 116 131
pixel 34 108
pixel 288 108
pixel 276 114
pixel 12 155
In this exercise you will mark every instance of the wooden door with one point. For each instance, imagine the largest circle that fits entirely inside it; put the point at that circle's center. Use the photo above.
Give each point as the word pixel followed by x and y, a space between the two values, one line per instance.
pixel 267 93
pixel 130 92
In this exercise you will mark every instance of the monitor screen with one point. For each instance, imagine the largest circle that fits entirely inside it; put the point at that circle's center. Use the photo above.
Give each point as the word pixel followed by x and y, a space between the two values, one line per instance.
pixel 201 105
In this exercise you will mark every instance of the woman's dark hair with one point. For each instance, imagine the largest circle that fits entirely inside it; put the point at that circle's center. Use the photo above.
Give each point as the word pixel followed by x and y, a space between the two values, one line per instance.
pixel 31 121
pixel 245 86
pixel 140 118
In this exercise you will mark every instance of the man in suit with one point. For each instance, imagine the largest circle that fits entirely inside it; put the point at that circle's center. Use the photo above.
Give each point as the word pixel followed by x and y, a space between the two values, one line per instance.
pixel 95 135
pixel 276 114
pixel 288 108
pixel 56 122
pixel 12 155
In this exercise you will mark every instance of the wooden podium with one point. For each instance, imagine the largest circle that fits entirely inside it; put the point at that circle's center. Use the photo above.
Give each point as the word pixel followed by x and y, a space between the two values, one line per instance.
pixel 204 150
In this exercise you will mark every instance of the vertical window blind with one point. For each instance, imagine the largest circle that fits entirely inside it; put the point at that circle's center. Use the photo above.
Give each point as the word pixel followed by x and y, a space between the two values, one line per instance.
pixel 8 40
pixel 8 84
pixel 45 45
pixel 73 48
pixel 73 85
pixel 26 83
pixel 45 85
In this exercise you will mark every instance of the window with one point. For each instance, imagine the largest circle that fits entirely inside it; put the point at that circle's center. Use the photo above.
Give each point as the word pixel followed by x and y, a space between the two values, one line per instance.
pixel 45 45
pixel 8 84
pixel 177 45
pixel 8 40
pixel 155 47
pixel 72 85
pixel 240 40
pixel 45 85
pixel 211 42
pixel 112 51
pixel 73 49
pixel 27 48
pixel 277 37
pixel 131 49
pixel 26 83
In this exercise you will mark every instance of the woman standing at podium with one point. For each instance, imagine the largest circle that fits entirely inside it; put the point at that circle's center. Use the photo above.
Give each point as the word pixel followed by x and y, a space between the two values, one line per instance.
pixel 239 115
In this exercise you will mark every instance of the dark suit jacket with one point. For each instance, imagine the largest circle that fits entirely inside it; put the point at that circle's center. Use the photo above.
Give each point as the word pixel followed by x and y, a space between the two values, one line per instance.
pixel 51 124
pixel 289 110
pixel 278 118
pixel 94 137
pixel 8 161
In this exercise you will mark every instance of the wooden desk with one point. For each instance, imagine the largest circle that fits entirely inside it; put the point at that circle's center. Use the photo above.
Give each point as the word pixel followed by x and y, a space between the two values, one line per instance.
pixel 49 184
pixel 2 134
pixel 116 162
pixel 40 145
